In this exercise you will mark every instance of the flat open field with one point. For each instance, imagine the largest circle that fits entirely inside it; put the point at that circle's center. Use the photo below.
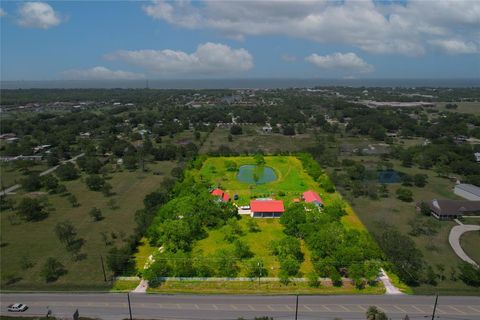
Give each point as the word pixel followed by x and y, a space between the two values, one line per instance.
pixel 470 242
pixel 254 139
pixel 436 249
pixel 36 241
pixel 270 229
pixel 463 107
pixel 10 175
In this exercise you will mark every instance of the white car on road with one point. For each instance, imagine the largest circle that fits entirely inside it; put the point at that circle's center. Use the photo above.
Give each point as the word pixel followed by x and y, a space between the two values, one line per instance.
pixel 17 307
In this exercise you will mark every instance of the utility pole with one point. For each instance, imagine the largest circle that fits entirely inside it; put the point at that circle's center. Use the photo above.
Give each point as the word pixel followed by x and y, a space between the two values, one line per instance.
pixel 129 307
pixel 103 269
pixel 435 307
pixel 296 309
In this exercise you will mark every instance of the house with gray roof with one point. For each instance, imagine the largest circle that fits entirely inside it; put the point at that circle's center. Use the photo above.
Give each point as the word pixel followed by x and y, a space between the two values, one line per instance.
pixel 467 191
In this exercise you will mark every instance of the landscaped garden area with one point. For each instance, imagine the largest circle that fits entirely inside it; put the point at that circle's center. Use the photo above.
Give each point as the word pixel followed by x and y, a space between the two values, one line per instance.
pixel 197 234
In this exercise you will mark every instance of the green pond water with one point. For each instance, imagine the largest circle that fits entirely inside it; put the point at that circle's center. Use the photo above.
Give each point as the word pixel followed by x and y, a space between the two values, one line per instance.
pixel 264 174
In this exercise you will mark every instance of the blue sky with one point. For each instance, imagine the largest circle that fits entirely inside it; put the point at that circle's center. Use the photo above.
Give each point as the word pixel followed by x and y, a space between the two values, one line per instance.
pixel 239 39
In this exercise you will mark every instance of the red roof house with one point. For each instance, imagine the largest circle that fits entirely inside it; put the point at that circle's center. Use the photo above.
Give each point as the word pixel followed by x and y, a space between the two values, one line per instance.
pixel 266 208
pixel 312 197
pixel 222 195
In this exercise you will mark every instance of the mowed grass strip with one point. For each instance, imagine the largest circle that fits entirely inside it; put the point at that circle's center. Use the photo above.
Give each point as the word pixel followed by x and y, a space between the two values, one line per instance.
pixel 254 287
pixel 292 180
pixel 259 243
pixel 37 240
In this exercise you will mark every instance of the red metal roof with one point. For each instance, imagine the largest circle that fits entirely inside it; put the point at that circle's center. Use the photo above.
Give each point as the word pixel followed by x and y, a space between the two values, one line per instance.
pixel 312 196
pixel 220 193
pixel 267 206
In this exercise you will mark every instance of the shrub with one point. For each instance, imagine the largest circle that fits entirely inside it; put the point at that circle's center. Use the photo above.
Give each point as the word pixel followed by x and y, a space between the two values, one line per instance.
pixel 404 194
pixel 52 270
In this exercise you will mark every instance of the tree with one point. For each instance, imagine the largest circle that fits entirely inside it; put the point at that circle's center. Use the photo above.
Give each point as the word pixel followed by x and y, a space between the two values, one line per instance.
pixel 293 218
pixel 96 214
pixel 67 172
pixel 119 260
pixel 65 232
pixel 50 183
pixel 252 225
pixel 242 250
pixel 404 194
pixel 374 314
pixel 313 280
pixel 259 159
pixel 89 164
pixel 95 182
pixel 130 162
pixel 107 189
pixel 420 180
pixel 31 182
pixel 256 269
pixel 289 265
pixel 288 130
pixel 236 130
pixel 226 264
pixel 470 274
pixel 52 270
pixel 31 209
pixel 73 200
pixel 425 208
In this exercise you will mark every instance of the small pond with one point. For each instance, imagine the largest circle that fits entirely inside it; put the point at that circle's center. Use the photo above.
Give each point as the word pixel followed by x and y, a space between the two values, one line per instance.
pixel 256 174
pixel 388 176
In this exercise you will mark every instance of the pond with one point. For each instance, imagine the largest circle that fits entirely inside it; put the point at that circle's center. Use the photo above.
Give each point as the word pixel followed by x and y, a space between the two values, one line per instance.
pixel 388 176
pixel 256 174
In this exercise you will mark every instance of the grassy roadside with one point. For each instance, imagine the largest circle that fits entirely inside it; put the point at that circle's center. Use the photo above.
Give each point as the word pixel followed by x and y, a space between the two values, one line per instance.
pixel 253 287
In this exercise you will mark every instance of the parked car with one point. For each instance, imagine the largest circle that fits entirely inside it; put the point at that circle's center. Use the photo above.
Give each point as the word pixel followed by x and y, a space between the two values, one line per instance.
pixel 17 307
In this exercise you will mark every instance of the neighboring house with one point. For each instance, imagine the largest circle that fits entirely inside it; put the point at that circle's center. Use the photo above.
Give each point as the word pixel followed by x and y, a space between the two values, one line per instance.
pixel 467 191
pixel 266 208
pixel 477 156
pixel 312 197
pixel 222 195
pixel 453 209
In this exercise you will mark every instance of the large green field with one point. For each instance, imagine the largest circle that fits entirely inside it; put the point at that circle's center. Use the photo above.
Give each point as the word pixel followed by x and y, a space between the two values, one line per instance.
pixel 292 180
pixel 253 139
pixel 270 229
pixel 36 241
pixel 436 249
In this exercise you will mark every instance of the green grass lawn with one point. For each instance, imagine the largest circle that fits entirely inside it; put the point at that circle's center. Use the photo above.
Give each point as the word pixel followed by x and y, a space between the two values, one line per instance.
pixel 435 249
pixel 253 139
pixel 10 176
pixel 292 180
pixel 470 242
pixel 270 229
pixel 37 241
pixel 463 107
pixel 253 287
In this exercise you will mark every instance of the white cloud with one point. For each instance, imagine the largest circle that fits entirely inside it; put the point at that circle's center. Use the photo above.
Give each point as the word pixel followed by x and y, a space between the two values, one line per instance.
pixel 340 61
pixel 376 27
pixel 38 15
pixel 2 12
pixel 455 46
pixel 100 73
pixel 209 58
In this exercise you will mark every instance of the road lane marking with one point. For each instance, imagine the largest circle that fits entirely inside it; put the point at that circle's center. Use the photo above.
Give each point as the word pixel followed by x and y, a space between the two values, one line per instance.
pixel 361 307
pixel 459 311
pixel 233 307
pixel 196 306
pixel 307 307
pixel 344 308
pixel 270 307
pixel 397 307
pixel 215 307
pixel 251 308
pixel 324 306
pixel 476 310
pixel 418 309
pixel 288 307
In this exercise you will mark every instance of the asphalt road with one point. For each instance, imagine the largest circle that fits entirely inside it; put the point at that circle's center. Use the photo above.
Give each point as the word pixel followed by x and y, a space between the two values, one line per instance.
pixel 150 306
pixel 49 170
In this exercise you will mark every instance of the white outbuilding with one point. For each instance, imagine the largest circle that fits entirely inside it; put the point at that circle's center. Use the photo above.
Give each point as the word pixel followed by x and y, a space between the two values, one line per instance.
pixel 467 191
